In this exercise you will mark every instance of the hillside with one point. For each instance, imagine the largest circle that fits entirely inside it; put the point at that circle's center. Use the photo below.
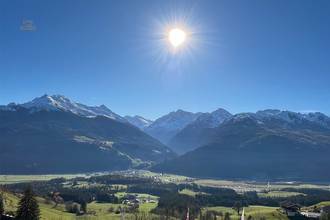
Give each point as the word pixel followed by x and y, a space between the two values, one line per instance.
pixel 252 147
pixel 62 142
pixel 96 210
pixel 196 133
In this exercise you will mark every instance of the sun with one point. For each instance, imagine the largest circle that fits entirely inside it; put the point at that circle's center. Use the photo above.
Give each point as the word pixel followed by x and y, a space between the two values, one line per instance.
pixel 177 37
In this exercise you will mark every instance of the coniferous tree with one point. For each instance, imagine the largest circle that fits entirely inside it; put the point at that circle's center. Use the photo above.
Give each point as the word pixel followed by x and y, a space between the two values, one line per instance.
pixel 227 216
pixel 84 206
pixel 28 208
pixel 237 207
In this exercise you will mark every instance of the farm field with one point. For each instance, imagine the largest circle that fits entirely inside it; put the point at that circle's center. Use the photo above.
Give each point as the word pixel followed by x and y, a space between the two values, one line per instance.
pixel 270 213
pixel 108 195
pixel 239 186
pixel 281 194
pixel 244 186
pixel 8 179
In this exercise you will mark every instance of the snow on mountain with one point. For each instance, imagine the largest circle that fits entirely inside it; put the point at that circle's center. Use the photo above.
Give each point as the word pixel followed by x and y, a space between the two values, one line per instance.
pixel 207 127
pixel 138 121
pixel 288 117
pixel 192 135
pixel 171 124
pixel 175 120
pixel 9 107
pixel 213 119
pixel 165 127
pixel 59 102
pixel 319 118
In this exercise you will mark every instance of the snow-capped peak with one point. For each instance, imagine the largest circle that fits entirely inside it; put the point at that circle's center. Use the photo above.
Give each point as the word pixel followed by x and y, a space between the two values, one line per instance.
pixel 59 102
pixel 318 117
pixel 46 102
pixel 288 117
pixel 174 120
pixel 138 121
pixel 213 119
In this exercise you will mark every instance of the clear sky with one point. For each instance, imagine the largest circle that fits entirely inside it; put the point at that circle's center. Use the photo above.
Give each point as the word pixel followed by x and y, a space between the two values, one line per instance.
pixel 242 55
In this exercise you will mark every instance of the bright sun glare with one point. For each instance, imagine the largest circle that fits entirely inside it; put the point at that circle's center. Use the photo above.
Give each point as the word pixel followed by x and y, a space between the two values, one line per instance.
pixel 176 37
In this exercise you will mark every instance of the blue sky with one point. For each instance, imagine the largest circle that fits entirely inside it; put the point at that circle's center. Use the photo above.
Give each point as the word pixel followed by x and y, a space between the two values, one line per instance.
pixel 243 55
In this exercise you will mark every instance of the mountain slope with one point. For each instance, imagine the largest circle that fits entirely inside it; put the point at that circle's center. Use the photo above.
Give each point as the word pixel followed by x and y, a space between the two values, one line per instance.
pixel 63 142
pixel 252 146
pixel 138 121
pixel 59 102
pixel 192 136
pixel 169 125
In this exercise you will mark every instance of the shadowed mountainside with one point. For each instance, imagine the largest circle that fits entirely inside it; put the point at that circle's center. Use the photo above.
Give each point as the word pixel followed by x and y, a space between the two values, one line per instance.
pixel 252 147
pixel 63 142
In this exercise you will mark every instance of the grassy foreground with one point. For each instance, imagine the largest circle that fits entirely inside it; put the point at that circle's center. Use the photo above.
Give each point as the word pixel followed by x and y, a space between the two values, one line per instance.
pixel 100 211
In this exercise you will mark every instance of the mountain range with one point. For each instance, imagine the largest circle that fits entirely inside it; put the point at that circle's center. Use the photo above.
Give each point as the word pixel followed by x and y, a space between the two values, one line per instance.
pixel 267 145
pixel 52 134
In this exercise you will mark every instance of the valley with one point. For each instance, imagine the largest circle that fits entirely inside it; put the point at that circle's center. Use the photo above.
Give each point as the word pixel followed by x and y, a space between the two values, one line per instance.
pixel 144 195
pixel 87 162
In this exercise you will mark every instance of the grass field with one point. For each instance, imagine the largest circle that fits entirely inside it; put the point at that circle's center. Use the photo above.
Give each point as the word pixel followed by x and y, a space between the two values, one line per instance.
pixel 101 210
pixel 321 204
pixel 239 186
pixel 317 206
pixel 243 186
pixel 47 210
pixel 281 194
pixel 257 212
pixel 139 195
pixel 164 177
pixel 190 192
pixel 8 179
